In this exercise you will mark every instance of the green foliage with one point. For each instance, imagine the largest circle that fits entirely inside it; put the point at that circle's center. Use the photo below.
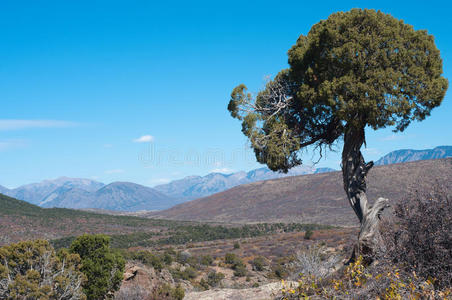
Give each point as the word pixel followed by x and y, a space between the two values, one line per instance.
pixel 102 266
pixel 214 278
pixel 203 283
pixel 280 271
pixel 236 245
pixel 148 258
pixel 167 292
pixel 230 258
pixel 356 69
pixel 236 264
pixel 258 263
pixel 32 270
pixel 240 270
pixel 167 258
pixel 206 260
pixel 178 293
pixel 186 273
pixel 183 233
pixel 308 234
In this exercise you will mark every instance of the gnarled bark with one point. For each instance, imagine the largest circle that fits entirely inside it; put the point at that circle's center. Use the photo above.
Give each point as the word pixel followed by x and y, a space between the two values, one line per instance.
pixel 354 171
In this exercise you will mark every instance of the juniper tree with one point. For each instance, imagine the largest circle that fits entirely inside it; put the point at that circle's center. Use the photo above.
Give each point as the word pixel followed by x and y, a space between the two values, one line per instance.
pixel 355 70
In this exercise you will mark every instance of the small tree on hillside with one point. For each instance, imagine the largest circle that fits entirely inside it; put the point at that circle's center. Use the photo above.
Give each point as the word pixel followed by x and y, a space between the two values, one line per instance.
pixel 357 69
pixel 103 267
pixel 32 270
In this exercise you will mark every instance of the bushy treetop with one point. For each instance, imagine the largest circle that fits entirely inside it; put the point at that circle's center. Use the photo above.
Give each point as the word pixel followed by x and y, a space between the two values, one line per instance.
pixel 355 69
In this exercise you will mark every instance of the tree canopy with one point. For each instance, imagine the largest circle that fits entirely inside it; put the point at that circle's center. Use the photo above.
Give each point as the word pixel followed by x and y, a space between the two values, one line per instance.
pixel 32 270
pixel 355 69
pixel 102 266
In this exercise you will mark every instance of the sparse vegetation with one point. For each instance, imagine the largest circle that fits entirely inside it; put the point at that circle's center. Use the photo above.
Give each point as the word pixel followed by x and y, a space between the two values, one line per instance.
pixel 420 238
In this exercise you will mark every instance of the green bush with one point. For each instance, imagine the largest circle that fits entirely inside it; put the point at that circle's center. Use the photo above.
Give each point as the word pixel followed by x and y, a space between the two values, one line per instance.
pixel 236 245
pixel 206 260
pixel 167 258
pixel 214 278
pixel 187 274
pixel 103 267
pixel 258 263
pixel 167 292
pixel 230 258
pixel 308 234
pixel 240 270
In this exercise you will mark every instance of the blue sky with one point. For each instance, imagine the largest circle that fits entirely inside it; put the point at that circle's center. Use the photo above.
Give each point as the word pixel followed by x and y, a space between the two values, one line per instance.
pixel 85 80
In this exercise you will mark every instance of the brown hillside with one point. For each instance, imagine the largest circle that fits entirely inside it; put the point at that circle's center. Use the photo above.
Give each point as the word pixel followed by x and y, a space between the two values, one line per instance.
pixel 317 198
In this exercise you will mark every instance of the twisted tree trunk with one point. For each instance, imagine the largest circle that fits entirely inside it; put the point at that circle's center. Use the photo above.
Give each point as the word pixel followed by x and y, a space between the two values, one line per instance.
pixel 354 172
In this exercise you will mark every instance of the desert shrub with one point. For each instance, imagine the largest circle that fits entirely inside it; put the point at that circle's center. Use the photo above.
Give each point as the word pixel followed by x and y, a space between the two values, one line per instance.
pixel 167 292
pixel 240 270
pixel 206 260
pixel 279 271
pixel 234 261
pixel 167 258
pixel 102 266
pixel 308 234
pixel 258 263
pixel 420 238
pixel 358 282
pixel 148 258
pixel 186 274
pixel 214 278
pixel 182 257
pixel 32 270
pixel 236 245
pixel 230 258
pixel 313 262
pixel 204 284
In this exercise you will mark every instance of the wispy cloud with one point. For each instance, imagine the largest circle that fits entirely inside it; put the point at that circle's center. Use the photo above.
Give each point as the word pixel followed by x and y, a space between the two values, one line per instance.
pixel 144 139
pixel 114 171
pixel 222 170
pixel 158 181
pixel 11 144
pixel 6 125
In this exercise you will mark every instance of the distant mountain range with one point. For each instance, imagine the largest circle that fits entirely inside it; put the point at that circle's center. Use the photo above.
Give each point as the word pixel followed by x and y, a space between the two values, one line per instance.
pixel 84 193
pixel 125 196
pixel 193 187
pixel 407 155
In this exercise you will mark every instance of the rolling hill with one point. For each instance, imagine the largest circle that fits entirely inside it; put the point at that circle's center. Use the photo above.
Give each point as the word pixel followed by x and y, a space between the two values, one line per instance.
pixel 20 220
pixel 316 198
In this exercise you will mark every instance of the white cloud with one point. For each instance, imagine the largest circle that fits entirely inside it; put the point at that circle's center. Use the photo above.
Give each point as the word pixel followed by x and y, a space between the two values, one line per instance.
pixel 158 181
pixel 115 171
pixel 396 137
pixel 144 139
pixel 27 124
pixel 222 170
